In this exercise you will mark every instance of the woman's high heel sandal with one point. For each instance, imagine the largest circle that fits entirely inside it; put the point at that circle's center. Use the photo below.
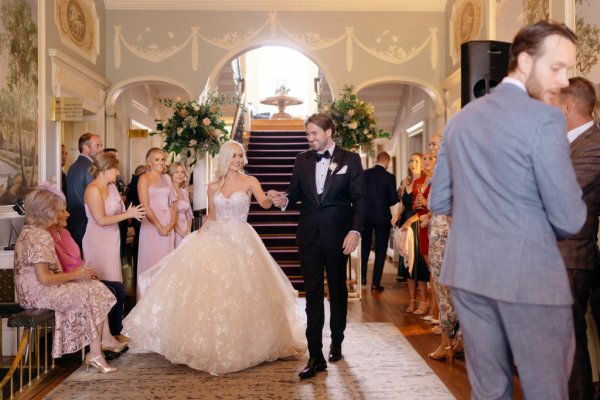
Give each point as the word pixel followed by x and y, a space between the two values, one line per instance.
pixel 423 307
pixel 442 353
pixel 411 307
pixel 95 363
pixel 116 349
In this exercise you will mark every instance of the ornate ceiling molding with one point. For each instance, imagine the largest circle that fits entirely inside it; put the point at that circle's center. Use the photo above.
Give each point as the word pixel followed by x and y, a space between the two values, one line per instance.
pixel 386 49
pixel 280 5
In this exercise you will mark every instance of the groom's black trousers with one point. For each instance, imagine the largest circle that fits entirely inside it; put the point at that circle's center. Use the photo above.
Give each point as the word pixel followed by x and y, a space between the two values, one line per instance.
pixel 314 260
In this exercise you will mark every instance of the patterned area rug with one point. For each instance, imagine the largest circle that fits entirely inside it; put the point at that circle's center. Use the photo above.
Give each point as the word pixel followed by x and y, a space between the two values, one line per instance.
pixel 378 364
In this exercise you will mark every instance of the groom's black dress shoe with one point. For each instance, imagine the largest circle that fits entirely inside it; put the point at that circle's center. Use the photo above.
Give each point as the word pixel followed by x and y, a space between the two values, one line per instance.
pixel 335 353
pixel 314 365
pixel 377 288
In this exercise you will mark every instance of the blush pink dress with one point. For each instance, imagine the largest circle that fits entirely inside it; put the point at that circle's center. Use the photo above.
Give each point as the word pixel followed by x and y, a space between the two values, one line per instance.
pixel 79 305
pixel 102 244
pixel 184 214
pixel 153 246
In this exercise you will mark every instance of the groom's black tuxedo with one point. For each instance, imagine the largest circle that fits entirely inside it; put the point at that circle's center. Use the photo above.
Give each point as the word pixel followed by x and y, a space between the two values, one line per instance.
pixel 324 222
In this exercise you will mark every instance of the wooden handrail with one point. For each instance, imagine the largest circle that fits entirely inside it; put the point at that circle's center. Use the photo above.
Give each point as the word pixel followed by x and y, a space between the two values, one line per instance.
pixel 18 357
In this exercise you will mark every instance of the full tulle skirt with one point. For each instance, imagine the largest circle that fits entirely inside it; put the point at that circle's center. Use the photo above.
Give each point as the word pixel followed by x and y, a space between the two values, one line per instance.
pixel 218 303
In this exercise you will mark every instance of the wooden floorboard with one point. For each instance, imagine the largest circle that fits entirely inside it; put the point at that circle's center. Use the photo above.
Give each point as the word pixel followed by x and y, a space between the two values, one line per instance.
pixel 386 306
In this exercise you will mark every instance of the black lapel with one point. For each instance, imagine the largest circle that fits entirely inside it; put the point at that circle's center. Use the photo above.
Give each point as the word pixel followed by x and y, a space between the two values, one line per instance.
pixel 310 165
pixel 334 166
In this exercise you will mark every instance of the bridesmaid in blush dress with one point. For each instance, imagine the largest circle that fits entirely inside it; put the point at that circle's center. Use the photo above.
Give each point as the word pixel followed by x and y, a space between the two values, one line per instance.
pixel 104 210
pixel 184 209
pixel 157 194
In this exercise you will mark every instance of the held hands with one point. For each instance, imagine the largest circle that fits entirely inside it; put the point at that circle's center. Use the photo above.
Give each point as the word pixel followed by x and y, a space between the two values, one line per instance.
pixel 278 198
pixel 350 242
pixel 424 219
pixel 138 212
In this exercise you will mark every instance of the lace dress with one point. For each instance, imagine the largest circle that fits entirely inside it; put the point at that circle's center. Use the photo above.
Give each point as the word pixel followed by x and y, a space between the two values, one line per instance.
pixel 219 302
pixel 79 305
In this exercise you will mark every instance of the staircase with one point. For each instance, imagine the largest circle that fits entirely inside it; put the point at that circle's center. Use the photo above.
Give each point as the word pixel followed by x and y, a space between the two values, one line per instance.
pixel 272 149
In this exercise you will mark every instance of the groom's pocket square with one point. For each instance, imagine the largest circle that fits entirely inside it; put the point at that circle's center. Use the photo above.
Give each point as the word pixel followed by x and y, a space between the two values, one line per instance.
pixel 342 170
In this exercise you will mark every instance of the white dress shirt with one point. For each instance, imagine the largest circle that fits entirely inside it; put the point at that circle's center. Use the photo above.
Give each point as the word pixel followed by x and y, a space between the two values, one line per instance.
pixel 574 133
pixel 322 169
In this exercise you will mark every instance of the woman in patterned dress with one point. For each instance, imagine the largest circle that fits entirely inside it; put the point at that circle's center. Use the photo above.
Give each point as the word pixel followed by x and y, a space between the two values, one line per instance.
pixel 81 303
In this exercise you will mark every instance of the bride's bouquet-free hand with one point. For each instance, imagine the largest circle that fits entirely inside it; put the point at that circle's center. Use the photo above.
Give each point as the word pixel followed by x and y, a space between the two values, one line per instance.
pixel 195 128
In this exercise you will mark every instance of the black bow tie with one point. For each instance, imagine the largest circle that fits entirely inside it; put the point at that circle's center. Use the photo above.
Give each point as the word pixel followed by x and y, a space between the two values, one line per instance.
pixel 320 156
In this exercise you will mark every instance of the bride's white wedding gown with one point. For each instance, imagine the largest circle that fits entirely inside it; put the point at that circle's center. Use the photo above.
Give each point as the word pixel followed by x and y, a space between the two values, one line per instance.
pixel 219 302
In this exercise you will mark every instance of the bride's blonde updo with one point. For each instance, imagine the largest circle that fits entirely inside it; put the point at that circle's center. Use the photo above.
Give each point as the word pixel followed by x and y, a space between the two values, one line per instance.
pixel 103 162
pixel 224 159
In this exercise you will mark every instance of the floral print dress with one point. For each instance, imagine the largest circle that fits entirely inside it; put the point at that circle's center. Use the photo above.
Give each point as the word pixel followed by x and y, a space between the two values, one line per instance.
pixel 79 305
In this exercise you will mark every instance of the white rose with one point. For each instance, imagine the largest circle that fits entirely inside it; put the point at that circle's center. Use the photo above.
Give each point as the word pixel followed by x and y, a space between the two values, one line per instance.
pixel 192 143
pixel 353 125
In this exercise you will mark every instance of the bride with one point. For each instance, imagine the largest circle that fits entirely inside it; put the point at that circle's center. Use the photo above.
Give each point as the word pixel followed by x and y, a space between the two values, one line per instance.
pixel 219 302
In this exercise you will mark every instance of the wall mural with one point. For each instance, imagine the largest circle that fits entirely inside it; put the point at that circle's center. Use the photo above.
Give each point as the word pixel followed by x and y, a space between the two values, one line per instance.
pixel 18 98
pixel 512 15
pixel 588 45
pixel 535 10
pixel 385 47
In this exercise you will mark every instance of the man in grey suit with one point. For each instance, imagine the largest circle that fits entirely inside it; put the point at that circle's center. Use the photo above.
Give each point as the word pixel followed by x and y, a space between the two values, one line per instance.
pixel 78 177
pixel 505 176
pixel 580 252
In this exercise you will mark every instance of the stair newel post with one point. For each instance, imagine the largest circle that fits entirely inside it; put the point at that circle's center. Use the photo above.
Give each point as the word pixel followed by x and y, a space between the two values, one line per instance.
pixel 200 188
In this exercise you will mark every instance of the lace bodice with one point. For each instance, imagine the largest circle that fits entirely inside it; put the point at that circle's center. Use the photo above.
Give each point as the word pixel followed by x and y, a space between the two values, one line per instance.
pixel 233 208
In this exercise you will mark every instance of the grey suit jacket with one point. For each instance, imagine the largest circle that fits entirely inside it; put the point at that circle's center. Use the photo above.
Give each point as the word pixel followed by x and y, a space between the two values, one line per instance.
pixel 505 176
pixel 78 177
pixel 581 250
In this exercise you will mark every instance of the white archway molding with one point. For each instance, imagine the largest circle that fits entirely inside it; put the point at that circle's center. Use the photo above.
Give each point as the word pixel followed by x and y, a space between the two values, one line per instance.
pixel 236 52
pixel 116 90
pixel 435 95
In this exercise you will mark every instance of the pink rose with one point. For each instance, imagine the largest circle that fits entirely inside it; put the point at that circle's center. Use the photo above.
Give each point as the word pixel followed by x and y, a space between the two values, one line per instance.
pixel 206 121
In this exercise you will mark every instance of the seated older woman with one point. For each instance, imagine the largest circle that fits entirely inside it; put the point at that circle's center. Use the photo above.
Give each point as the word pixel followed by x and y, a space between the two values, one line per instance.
pixel 80 302
pixel 69 257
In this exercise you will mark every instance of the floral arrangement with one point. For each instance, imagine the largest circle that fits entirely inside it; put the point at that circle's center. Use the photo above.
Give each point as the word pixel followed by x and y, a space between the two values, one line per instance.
pixel 195 128
pixel 355 124
pixel 282 91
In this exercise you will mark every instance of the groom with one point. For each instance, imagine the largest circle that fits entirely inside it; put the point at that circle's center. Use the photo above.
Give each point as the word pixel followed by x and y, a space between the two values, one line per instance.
pixel 329 182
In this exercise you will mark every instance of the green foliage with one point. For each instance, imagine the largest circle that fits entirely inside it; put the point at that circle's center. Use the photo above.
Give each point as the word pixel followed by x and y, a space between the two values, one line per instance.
pixel 355 124
pixel 194 129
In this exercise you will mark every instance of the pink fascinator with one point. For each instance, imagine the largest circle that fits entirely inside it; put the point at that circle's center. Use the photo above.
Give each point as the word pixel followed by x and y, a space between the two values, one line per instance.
pixel 53 189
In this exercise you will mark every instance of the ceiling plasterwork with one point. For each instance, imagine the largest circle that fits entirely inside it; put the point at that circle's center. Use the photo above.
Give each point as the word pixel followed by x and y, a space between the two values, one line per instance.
pixel 382 50
pixel 280 5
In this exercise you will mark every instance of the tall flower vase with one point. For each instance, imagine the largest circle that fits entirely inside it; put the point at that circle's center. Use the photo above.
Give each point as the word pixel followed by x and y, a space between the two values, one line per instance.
pixel 199 197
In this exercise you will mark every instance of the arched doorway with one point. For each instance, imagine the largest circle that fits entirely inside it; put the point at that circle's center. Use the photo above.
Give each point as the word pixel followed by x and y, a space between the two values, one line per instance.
pixel 135 105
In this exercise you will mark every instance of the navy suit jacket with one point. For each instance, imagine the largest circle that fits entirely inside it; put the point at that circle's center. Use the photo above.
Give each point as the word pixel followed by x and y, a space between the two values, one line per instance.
pixel 381 195
pixel 78 177
pixel 342 205
pixel 504 174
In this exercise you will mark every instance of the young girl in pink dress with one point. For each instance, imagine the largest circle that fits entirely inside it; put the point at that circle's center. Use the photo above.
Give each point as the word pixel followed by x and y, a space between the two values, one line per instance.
pixel 184 209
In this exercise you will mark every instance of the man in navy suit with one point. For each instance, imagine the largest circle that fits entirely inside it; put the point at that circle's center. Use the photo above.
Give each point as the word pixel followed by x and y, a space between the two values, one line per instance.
pixel 505 175
pixel 329 181
pixel 381 195
pixel 78 177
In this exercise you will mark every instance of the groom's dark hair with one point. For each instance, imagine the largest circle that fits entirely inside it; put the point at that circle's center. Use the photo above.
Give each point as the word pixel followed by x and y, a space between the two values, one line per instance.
pixel 323 121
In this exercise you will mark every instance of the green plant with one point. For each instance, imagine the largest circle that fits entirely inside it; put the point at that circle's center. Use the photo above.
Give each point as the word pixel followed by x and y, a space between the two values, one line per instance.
pixel 194 129
pixel 356 127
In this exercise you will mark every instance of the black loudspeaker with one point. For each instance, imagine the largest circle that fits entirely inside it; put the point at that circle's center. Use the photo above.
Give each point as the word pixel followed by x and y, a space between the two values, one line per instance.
pixel 483 64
